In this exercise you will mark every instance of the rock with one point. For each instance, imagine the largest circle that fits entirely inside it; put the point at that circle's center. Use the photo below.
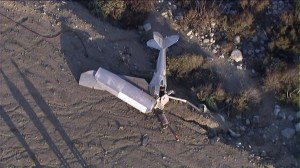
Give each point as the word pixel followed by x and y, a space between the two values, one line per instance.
pixel 222 56
pixel 237 39
pixel 147 27
pixel 290 118
pixel 145 140
pixel 215 51
pixel 256 119
pixel 298 114
pixel 288 133
pixel 243 128
pixel 213 24
pixel 233 134
pixel 160 1
pixel 212 40
pixel 238 117
pixel 174 7
pixel 263 153
pixel 250 52
pixel 211 34
pixel 248 122
pixel 206 41
pixel 297 127
pixel 189 33
pixel 276 110
pixel 165 15
pixel 281 115
pixel 179 16
pixel 240 67
pixel 254 39
pixel 236 55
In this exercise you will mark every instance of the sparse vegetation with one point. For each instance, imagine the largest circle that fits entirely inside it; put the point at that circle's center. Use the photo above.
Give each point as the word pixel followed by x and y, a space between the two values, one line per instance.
pixel 240 24
pixel 285 84
pixel 282 45
pixel 127 13
pixel 183 65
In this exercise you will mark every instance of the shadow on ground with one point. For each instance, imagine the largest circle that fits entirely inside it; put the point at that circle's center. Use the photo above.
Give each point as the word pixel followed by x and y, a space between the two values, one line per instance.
pixel 40 102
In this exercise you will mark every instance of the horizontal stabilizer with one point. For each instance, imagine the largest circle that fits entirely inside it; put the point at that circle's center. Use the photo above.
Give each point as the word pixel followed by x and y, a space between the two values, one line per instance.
pixel 153 44
pixel 158 42
pixel 170 40
pixel 87 79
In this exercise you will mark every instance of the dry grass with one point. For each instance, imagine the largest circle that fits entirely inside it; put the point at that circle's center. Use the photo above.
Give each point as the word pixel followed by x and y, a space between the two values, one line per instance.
pixel 285 84
pixel 183 65
pixel 284 36
pixel 127 13
pixel 112 9
pixel 245 99
pixel 256 6
pixel 199 14
pixel 239 24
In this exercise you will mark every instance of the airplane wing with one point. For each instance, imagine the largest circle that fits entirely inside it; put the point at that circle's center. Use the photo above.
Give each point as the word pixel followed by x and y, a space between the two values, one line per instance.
pixel 119 87
pixel 87 79
pixel 138 82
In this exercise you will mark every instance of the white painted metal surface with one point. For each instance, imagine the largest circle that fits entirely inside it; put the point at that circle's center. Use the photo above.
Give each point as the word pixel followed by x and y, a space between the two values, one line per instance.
pixel 125 90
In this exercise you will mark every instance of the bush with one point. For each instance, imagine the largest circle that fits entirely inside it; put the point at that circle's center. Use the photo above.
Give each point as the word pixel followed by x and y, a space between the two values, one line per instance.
pixel 126 13
pixel 246 99
pixel 256 6
pixel 183 65
pixel 285 84
pixel 199 16
pixel 239 24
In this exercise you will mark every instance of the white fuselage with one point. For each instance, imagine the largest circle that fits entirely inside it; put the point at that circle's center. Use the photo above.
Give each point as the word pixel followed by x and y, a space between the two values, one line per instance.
pixel 159 82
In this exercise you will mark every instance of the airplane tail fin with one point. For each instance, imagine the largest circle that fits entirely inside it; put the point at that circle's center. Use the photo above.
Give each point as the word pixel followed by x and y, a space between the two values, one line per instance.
pixel 158 42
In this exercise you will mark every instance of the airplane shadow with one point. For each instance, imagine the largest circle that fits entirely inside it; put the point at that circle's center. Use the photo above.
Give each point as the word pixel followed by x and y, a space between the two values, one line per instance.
pixel 16 93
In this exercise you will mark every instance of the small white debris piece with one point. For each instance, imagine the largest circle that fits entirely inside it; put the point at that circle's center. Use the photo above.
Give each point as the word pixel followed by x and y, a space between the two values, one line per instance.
pixel 90 38
pixel 189 33
pixel 147 27
pixel 236 55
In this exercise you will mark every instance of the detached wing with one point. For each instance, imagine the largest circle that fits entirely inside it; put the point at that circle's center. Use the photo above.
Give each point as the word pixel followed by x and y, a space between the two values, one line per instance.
pixel 120 88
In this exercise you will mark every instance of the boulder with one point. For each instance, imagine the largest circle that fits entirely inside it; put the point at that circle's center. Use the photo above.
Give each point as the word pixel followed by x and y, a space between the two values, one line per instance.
pixel 288 133
pixel 236 55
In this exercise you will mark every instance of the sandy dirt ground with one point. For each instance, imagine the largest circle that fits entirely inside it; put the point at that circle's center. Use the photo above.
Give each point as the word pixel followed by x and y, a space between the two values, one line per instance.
pixel 47 119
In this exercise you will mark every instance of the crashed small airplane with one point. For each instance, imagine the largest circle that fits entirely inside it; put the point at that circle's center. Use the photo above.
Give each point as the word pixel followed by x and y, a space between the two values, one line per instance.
pixel 136 91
